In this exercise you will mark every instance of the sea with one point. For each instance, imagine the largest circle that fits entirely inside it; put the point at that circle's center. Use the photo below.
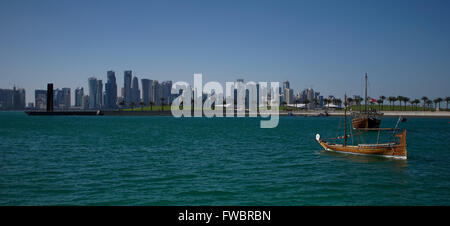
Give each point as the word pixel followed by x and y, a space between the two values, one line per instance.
pixel 162 160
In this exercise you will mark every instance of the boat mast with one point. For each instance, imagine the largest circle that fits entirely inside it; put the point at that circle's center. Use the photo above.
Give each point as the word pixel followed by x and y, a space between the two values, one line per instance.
pixel 345 120
pixel 365 93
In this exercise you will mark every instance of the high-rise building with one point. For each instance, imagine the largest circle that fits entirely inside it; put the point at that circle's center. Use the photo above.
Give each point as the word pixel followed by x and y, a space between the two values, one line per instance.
pixel 92 82
pixel 6 99
pixel 57 98
pixel 127 87
pixel 40 99
pixel 289 96
pixel 99 95
pixel 111 90
pixel 146 90
pixel 286 85
pixel 79 93
pixel 19 99
pixel 166 87
pixel 240 85
pixel 85 102
pixel 65 100
pixel 49 101
pixel 156 92
pixel 310 96
pixel 284 93
pixel 12 99
pixel 135 93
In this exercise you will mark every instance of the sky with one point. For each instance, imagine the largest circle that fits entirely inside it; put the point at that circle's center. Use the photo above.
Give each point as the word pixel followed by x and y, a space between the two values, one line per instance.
pixel 404 46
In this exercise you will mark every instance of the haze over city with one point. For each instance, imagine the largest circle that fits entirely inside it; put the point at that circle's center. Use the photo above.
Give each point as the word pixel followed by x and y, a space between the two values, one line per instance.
pixel 326 45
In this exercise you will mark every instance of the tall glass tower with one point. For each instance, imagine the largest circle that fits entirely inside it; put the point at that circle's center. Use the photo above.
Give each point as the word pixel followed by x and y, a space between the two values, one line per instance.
pixel 127 87
pixel 111 90
pixel 92 82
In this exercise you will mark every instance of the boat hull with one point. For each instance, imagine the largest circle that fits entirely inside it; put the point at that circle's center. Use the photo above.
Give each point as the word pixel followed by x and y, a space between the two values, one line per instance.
pixel 366 121
pixel 397 150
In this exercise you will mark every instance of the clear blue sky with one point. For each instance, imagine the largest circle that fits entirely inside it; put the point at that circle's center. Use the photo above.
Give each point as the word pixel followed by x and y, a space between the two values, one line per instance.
pixel 326 45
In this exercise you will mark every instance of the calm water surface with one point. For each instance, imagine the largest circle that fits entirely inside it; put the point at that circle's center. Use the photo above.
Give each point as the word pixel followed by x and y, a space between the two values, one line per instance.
pixel 223 161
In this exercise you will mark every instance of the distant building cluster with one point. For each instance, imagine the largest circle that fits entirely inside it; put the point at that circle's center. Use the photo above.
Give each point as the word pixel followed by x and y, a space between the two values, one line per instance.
pixel 306 98
pixel 97 97
pixel 12 99
pixel 101 95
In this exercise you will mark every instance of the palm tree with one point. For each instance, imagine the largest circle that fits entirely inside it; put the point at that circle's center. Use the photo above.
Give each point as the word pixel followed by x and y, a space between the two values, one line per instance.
pixel 349 101
pixel 132 105
pixel 405 100
pixel 297 101
pixel 429 102
pixel 151 103
pixel 382 98
pixel 338 101
pixel 142 105
pixel 283 104
pixel 121 104
pixel 400 99
pixel 425 101
pixel 379 101
pixel 316 102
pixel 447 99
pixel 306 102
pixel 391 100
pixel 438 101
pixel 415 102
pixel 162 103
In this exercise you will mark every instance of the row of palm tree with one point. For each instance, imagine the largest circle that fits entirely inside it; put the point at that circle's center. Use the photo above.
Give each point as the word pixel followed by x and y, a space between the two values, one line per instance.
pixel 405 100
pixel 426 103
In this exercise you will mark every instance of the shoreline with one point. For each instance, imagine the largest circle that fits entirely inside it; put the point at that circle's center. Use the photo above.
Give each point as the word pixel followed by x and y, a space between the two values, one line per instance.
pixel 311 113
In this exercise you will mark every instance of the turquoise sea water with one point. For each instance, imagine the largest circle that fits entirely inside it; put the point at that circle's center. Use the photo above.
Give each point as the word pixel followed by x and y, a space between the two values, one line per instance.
pixel 67 160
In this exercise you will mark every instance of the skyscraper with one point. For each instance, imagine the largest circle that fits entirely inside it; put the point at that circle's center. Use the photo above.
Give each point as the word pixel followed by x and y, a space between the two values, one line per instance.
pixel 127 87
pixel 146 90
pixel 289 96
pixel 111 90
pixel 85 102
pixel 6 98
pixel 49 97
pixel 135 93
pixel 156 93
pixel 79 93
pixel 40 99
pixel 286 85
pixel 284 93
pixel 65 98
pixel 19 99
pixel 310 96
pixel 57 98
pixel 166 87
pixel 99 96
pixel 92 82
pixel 12 99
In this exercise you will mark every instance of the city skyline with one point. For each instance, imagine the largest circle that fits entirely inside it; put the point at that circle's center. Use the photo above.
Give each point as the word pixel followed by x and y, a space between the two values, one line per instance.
pixel 326 45
pixel 151 91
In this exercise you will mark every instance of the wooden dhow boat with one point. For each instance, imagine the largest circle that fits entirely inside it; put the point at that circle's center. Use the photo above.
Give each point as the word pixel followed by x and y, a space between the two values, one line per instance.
pixel 366 118
pixel 395 147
